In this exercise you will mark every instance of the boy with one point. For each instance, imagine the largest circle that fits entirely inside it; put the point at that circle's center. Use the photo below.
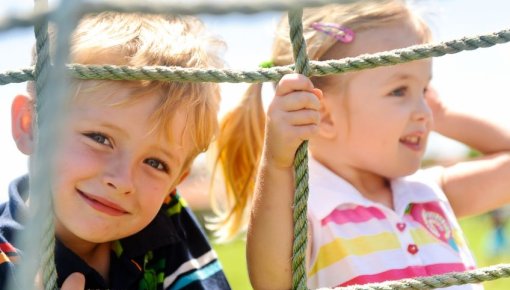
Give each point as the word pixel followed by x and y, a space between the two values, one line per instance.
pixel 124 147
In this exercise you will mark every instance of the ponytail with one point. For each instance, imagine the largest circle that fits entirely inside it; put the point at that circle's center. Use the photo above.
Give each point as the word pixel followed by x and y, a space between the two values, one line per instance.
pixel 239 147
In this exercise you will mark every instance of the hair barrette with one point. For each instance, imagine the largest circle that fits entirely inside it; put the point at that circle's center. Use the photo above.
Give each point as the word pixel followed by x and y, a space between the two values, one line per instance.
pixel 334 30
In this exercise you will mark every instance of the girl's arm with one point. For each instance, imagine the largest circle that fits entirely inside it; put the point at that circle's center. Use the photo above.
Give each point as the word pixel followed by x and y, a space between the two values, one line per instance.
pixel 292 117
pixel 476 186
pixel 475 132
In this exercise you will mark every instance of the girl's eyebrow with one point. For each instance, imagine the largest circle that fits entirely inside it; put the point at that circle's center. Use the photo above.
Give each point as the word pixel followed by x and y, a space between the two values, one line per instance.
pixel 406 76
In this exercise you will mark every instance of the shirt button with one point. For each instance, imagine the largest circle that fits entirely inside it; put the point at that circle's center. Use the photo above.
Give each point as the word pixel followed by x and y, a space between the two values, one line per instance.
pixel 412 249
pixel 401 226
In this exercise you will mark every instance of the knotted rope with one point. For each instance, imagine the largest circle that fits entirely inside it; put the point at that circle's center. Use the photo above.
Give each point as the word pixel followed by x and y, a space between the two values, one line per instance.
pixel 302 66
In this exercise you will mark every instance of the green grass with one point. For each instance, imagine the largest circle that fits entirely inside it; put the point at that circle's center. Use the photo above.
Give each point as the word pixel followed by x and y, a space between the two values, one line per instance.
pixel 233 259
pixel 477 231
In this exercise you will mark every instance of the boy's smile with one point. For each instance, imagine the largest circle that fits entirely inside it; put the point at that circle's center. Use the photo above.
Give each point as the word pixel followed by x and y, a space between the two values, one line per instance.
pixel 102 204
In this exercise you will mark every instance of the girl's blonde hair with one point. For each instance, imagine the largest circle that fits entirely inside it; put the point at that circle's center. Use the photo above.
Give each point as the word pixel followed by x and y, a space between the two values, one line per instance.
pixel 242 130
pixel 136 39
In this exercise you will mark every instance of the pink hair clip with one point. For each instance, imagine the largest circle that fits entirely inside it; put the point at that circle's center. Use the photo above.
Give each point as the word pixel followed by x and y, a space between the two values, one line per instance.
pixel 334 30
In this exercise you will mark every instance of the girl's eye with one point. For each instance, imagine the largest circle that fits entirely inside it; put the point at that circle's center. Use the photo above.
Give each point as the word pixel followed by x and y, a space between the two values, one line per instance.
pixel 400 92
pixel 157 164
pixel 99 138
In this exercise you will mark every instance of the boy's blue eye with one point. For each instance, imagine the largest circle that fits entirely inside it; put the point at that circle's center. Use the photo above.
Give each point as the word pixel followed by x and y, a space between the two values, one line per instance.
pixel 400 92
pixel 99 138
pixel 157 164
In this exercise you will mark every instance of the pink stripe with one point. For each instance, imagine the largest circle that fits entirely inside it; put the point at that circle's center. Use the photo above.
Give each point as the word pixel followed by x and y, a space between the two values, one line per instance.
pixel 358 214
pixel 409 272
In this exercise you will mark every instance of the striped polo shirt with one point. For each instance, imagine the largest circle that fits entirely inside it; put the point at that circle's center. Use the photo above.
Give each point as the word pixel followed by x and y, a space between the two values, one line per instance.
pixel 357 241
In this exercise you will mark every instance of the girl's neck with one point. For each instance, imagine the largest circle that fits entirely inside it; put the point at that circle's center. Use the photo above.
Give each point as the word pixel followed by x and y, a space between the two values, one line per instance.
pixel 372 186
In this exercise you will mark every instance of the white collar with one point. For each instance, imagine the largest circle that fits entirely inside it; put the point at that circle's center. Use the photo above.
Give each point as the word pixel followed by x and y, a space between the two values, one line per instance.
pixel 329 191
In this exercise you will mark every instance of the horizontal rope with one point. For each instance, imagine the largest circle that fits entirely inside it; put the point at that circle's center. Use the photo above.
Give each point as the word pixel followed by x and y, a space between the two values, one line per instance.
pixel 317 68
pixel 439 281
pixel 25 19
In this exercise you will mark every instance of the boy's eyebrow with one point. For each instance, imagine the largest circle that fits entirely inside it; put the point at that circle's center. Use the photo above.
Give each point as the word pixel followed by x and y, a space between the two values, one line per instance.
pixel 168 153
pixel 114 127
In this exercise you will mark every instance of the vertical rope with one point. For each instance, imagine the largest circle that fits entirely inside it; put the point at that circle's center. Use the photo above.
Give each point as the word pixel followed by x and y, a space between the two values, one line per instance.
pixel 41 73
pixel 300 163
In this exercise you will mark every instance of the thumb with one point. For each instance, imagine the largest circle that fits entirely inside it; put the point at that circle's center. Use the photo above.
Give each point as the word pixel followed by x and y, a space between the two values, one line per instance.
pixel 74 281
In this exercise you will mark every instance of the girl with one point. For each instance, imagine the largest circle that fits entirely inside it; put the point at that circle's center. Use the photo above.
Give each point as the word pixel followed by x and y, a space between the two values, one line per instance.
pixel 373 216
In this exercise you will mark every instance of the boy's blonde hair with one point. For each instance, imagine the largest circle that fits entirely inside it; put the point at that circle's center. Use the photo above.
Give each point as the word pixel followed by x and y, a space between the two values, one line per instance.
pixel 242 130
pixel 136 39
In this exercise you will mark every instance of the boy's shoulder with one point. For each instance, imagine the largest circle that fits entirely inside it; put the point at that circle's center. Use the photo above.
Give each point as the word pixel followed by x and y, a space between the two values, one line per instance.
pixel 10 225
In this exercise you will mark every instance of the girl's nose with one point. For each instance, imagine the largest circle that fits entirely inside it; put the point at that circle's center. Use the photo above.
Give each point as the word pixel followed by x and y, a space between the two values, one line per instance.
pixel 422 113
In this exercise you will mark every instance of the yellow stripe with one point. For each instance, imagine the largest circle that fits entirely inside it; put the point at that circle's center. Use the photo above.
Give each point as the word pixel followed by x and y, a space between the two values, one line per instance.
pixel 423 237
pixel 339 248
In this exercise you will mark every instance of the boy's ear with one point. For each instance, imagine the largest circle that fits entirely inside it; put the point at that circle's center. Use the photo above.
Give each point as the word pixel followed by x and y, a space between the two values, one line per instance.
pixel 21 123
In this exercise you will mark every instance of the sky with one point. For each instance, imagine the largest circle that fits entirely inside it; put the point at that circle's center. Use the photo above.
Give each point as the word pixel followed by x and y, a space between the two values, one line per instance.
pixel 470 81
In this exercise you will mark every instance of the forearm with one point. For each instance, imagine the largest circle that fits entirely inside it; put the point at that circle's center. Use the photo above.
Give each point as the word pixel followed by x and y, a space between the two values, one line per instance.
pixel 269 244
pixel 477 133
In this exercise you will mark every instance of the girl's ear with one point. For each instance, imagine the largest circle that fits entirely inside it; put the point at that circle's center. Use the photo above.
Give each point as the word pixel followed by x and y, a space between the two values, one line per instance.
pixel 327 128
pixel 21 123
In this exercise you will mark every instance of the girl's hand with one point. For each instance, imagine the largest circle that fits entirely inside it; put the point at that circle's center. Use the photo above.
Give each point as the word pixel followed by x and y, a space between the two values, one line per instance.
pixel 436 105
pixel 293 117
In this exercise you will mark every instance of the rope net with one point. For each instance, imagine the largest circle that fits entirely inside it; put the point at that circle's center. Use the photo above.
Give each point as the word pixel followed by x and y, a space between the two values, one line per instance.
pixel 47 75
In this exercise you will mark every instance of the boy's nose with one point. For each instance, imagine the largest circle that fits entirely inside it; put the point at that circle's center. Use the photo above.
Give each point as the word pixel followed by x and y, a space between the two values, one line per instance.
pixel 119 178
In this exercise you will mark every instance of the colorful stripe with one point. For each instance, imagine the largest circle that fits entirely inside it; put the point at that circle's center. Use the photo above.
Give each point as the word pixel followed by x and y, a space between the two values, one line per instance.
pixel 339 248
pixel 197 275
pixel 359 214
pixel 409 272
pixel 4 258
pixel 193 264
pixel 7 248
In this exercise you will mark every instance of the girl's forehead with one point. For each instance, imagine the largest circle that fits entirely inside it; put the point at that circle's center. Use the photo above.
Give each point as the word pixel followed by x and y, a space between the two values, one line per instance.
pixel 380 39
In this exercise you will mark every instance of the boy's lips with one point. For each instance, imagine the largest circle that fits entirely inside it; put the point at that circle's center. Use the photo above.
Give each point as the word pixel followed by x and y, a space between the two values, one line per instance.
pixel 102 204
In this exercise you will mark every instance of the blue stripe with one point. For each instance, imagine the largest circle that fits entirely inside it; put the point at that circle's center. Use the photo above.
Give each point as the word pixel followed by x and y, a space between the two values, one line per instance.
pixel 199 274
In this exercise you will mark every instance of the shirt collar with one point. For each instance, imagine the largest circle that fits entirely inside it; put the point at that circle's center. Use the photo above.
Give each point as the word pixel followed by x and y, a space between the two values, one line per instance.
pixel 161 231
pixel 329 191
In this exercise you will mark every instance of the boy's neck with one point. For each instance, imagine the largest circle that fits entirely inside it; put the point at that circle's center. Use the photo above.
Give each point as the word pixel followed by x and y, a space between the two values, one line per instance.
pixel 96 255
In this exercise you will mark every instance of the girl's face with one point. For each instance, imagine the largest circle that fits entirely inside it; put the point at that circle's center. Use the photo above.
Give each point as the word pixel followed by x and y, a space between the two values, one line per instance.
pixel 113 169
pixel 380 117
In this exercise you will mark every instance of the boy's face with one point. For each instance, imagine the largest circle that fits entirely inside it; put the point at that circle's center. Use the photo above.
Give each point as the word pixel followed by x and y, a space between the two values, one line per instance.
pixel 113 170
